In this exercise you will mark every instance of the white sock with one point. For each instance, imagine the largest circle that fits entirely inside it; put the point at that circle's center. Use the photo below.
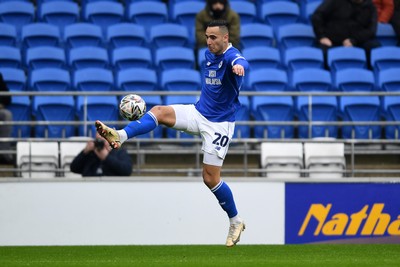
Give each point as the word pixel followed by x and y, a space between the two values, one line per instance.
pixel 122 135
pixel 235 220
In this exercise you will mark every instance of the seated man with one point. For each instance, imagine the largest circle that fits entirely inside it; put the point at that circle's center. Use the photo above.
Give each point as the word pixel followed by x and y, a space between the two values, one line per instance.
pixel 346 23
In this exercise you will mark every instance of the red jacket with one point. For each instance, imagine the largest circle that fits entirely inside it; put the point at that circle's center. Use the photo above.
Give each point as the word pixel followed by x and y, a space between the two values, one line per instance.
pixel 385 10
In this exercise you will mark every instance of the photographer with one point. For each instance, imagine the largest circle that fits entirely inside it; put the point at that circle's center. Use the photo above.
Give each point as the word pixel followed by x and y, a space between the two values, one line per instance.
pixel 98 159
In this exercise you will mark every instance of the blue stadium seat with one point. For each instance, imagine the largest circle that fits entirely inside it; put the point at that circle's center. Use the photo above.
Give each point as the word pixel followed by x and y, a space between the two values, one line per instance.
pixel 8 35
pixel 201 58
pixel 185 13
pixel 389 80
pixel 256 34
pixel 40 34
pixel 324 108
pixel 10 57
pixel 385 57
pixel 21 110
pixel 104 13
pixel 360 109
pixel 386 34
pixel 262 57
pixel 126 34
pixel 307 9
pixel 93 79
pixel 268 80
pixel 295 35
pixel 392 113
pixel 312 80
pixel 174 57
pixel 131 57
pixel 180 80
pixel 243 114
pixel 137 79
pixel 355 79
pixel 54 108
pixel 279 13
pixel 147 13
pixel 14 78
pixel 104 108
pixel 17 13
pixel 270 109
pixel 169 34
pixel 246 10
pixel 88 57
pixel 303 57
pixel 83 34
pixel 59 13
pixel 49 80
pixel 346 57
pixel 45 57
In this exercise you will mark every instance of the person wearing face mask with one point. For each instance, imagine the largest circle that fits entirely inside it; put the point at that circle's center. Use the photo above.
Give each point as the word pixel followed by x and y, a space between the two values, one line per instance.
pixel 217 10
pixel 346 23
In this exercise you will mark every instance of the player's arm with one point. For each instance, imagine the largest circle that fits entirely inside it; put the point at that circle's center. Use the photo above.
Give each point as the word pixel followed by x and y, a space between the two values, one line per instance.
pixel 239 65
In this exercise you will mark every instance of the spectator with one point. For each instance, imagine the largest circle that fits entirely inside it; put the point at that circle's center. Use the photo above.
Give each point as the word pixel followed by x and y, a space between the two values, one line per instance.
pixel 346 23
pixel 6 116
pixel 384 9
pixel 395 21
pixel 98 159
pixel 217 10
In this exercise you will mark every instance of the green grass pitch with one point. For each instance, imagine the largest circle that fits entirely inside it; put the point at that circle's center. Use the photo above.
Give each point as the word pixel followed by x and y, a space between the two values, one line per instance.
pixel 201 255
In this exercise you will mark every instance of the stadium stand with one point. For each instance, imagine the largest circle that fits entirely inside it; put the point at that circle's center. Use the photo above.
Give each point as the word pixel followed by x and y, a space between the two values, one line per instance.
pixel 33 63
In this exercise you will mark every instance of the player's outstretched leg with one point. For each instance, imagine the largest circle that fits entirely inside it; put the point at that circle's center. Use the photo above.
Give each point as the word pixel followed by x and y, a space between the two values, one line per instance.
pixel 109 134
pixel 235 230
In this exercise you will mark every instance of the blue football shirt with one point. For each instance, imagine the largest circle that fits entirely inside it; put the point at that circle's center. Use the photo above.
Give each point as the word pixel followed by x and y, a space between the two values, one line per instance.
pixel 219 99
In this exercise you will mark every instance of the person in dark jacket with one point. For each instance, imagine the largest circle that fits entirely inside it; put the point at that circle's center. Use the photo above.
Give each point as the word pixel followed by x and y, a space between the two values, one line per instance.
pixel 346 23
pixel 395 20
pixel 6 116
pixel 98 159
pixel 217 10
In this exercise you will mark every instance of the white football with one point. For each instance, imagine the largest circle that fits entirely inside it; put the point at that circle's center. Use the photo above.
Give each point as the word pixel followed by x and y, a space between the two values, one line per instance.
pixel 132 107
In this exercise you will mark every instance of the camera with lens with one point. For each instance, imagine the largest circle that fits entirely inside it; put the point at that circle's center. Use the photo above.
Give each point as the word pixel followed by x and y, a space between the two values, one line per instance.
pixel 99 144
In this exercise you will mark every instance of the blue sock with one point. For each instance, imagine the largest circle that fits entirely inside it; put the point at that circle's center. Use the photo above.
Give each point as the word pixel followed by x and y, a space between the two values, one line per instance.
pixel 225 198
pixel 146 124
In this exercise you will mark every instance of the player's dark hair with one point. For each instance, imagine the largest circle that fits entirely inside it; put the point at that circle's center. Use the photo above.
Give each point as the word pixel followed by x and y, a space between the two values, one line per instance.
pixel 222 24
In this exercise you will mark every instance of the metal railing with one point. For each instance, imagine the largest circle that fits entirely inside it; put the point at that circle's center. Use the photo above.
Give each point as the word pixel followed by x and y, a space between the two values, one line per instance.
pixel 246 147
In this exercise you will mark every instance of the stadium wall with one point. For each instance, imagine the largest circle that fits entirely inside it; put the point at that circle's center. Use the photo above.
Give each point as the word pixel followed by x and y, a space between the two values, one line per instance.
pixel 147 211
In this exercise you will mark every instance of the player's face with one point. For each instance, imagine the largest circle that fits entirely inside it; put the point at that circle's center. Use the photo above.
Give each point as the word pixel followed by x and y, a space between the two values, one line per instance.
pixel 217 42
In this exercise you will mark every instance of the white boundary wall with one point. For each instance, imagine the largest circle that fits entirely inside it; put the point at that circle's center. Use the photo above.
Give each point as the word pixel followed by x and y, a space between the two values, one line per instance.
pixel 135 212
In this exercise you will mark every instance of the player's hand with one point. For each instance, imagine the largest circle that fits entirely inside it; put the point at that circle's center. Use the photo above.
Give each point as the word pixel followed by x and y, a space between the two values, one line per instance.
pixel 347 43
pixel 325 41
pixel 238 70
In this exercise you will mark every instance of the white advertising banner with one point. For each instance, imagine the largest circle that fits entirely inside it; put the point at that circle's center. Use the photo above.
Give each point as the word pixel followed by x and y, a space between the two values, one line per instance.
pixel 136 212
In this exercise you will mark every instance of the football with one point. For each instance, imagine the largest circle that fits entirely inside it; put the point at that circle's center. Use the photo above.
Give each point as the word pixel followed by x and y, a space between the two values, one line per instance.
pixel 132 107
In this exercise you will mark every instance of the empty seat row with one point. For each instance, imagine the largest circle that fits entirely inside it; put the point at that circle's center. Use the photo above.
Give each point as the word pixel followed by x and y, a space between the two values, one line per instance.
pixel 314 80
pixel 98 57
pixel 88 34
pixel 98 79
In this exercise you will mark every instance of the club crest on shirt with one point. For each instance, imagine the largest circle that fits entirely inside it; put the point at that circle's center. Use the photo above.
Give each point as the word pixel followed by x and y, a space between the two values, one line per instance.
pixel 220 65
